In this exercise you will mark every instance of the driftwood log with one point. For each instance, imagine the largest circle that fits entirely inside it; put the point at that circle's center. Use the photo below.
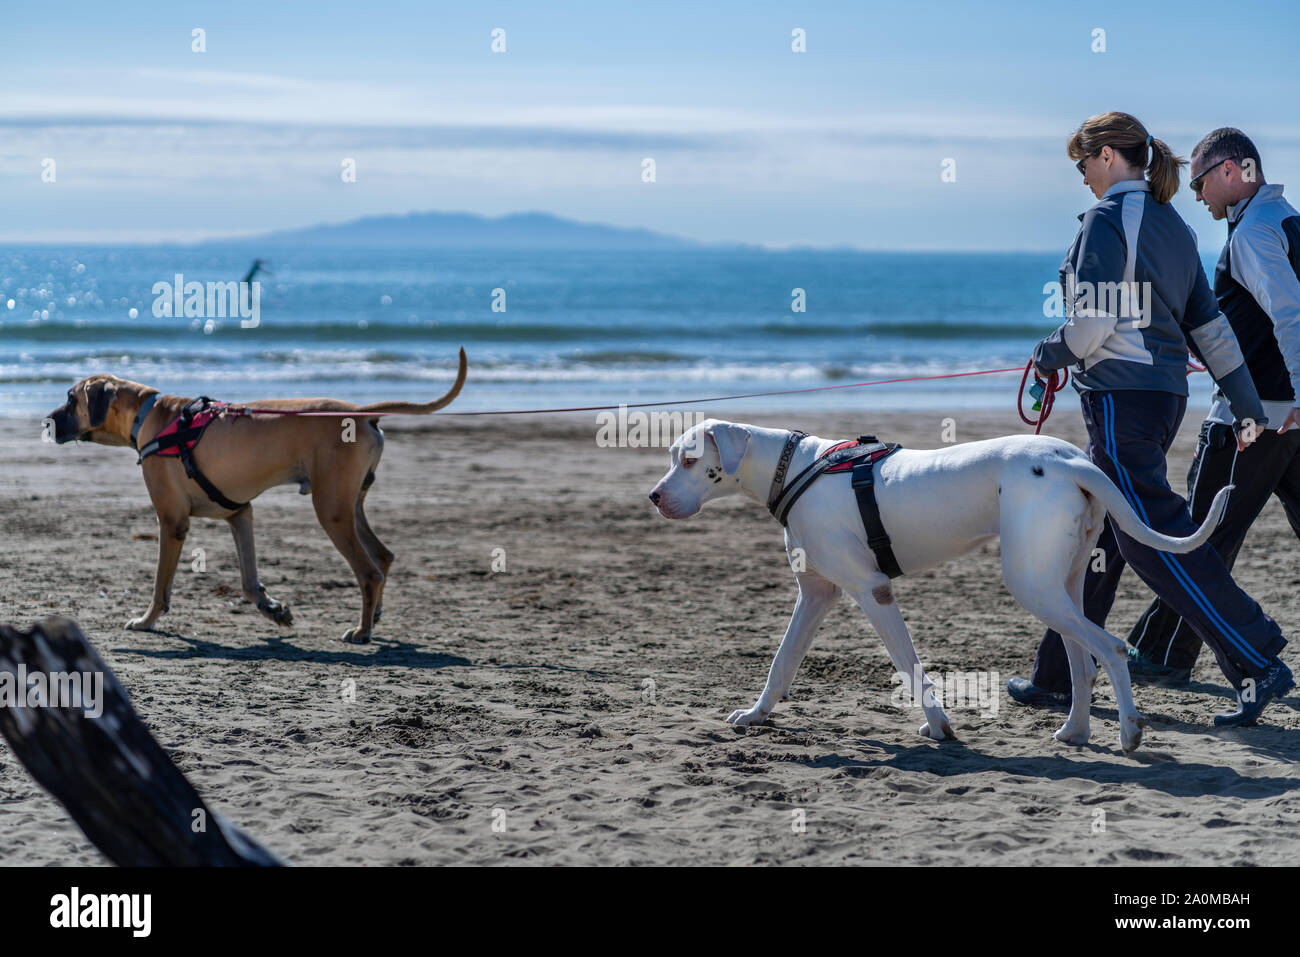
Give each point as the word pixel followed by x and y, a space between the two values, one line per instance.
pixel 110 774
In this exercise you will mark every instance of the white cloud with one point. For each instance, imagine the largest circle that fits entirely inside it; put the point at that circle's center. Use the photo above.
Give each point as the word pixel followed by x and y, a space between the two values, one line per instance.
pixel 174 154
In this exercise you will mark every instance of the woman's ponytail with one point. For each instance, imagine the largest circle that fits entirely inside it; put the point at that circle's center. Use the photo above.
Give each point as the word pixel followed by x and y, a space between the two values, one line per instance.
pixel 1162 171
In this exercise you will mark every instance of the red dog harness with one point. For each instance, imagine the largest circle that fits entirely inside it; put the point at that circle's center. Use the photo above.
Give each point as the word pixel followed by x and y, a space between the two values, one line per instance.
pixel 178 438
pixel 858 457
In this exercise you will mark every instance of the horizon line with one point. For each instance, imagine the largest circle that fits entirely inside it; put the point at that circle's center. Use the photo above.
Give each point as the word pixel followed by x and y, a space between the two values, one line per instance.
pixel 190 238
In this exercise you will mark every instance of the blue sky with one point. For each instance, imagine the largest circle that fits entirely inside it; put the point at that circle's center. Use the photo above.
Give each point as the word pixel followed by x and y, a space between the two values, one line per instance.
pixel 841 145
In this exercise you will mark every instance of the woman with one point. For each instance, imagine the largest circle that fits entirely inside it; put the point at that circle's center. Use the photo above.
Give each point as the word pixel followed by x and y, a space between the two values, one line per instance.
pixel 1136 298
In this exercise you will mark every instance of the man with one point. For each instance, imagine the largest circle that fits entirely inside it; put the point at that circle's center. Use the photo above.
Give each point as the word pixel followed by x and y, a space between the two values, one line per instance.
pixel 1257 283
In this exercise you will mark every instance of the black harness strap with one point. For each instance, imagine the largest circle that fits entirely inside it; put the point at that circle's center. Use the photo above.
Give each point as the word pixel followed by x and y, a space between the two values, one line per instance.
pixel 180 440
pixel 862 459
pixel 780 506
pixel 214 493
pixel 864 481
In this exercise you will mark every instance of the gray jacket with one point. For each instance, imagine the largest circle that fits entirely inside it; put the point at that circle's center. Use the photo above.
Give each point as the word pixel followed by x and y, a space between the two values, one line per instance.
pixel 1257 283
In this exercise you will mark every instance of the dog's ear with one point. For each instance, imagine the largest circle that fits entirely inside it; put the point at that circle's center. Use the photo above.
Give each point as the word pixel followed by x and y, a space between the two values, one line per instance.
pixel 732 442
pixel 99 399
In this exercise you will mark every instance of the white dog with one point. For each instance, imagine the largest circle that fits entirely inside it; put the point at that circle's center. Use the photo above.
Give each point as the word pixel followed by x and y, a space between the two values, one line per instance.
pixel 1040 494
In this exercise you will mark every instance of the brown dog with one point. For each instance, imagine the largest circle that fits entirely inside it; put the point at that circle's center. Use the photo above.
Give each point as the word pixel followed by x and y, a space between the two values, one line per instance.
pixel 332 457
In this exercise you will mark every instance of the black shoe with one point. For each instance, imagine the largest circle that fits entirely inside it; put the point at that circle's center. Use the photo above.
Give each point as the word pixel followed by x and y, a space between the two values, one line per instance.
pixel 1026 692
pixel 1144 671
pixel 1274 683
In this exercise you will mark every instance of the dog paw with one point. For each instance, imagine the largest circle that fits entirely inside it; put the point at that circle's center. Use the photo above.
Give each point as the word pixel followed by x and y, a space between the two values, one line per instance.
pixel 1130 734
pixel 138 624
pixel 744 719
pixel 1067 735
pixel 942 731
pixel 355 636
pixel 275 611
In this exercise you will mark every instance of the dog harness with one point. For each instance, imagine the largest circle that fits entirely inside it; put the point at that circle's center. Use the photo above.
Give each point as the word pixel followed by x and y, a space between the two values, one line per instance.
pixel 178 438
pixel 858 457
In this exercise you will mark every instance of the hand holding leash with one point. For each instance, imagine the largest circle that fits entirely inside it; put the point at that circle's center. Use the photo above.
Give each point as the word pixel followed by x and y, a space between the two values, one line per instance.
pixel 1042 392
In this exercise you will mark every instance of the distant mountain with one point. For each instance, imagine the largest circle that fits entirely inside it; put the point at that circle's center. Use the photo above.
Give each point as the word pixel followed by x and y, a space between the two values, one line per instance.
pixel 467 231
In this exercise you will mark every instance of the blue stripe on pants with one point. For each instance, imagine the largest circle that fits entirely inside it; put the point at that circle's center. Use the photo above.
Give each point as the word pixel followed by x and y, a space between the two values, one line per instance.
pixel 1171 561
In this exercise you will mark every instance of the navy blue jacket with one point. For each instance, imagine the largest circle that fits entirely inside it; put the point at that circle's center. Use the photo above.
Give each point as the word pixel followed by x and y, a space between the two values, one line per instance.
pixel 1136 299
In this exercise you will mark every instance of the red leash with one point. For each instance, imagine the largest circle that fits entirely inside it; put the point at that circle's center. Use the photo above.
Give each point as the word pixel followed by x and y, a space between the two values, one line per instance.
pixel 1053 385
pixel 1051 388
pixel 1046 400
pixel 726 398
pixel 245 410
pixel 356 413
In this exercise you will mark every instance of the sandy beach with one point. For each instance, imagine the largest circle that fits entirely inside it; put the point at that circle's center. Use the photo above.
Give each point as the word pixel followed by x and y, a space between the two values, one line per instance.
pixel 570 708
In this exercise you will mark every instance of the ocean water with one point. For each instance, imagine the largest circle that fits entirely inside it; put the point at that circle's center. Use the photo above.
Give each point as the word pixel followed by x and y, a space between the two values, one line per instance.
pixel 579 328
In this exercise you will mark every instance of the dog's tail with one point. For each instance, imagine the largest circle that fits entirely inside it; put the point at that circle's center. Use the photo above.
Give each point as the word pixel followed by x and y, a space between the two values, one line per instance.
pixel 1096 483
pixel 424 408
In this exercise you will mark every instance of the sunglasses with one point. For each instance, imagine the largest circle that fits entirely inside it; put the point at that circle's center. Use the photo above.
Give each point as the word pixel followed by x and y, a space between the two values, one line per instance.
pixel 1080 166
pixel 1199 181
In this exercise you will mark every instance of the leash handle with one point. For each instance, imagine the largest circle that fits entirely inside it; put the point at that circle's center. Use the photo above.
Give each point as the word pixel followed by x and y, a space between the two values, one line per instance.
pixel 1043 392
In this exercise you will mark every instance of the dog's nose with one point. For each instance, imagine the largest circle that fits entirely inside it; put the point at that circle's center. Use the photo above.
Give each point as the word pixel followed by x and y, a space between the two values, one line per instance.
pixel 654 497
